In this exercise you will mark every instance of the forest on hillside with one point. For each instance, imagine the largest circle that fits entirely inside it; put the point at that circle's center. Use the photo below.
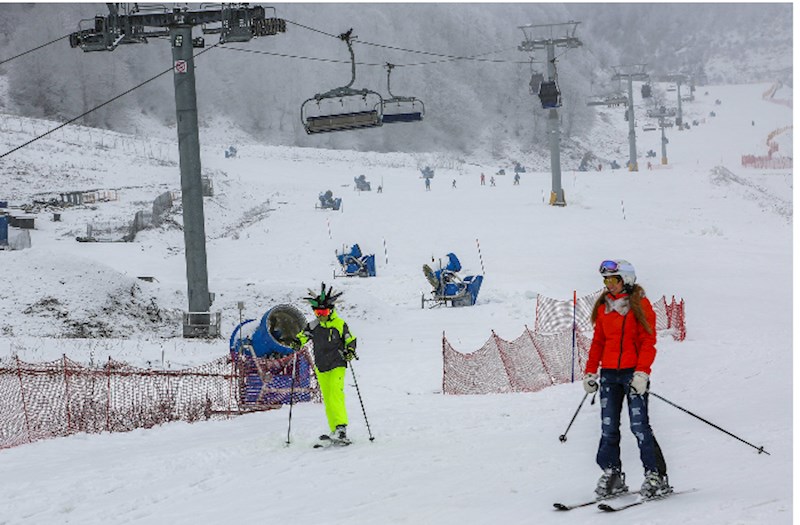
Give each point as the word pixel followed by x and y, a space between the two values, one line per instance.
pixel 462 60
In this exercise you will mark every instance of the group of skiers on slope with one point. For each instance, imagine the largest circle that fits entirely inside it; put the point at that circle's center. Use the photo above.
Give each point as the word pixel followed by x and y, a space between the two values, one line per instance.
pixel 622 351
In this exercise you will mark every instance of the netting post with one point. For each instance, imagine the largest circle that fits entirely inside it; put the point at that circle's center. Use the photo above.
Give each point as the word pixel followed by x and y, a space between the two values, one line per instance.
pixel 574 327
pixel 232 386
pixel 506 364
pixel 24 404
pixel 444 363
pixel 66 391
pixel 108 395
pixel 541 357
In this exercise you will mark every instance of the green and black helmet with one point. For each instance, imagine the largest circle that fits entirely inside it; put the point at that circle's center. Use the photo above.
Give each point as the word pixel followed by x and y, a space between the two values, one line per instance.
pixel 325 299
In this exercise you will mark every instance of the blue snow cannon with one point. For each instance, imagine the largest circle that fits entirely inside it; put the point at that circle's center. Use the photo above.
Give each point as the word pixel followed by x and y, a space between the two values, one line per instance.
pixel 355 264
pixel 328 202
pixel 449 287
pixel 264 357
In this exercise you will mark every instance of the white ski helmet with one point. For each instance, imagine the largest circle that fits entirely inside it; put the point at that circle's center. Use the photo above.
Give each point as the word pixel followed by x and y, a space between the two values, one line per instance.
pixel 619 267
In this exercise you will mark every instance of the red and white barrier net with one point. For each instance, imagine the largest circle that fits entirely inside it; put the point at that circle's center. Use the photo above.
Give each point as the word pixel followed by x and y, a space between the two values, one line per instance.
pixel 547 356
pixel 59 398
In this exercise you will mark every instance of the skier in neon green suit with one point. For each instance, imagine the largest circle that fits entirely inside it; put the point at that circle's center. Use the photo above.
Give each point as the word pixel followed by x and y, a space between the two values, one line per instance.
pixel 334 347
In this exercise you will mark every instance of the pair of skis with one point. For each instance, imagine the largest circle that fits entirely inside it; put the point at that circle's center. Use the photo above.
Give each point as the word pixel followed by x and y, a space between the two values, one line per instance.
pixel 606 507
pixel 325 441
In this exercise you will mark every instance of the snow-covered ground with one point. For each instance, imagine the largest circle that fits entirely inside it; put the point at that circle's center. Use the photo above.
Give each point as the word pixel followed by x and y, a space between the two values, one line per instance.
pixel 720 239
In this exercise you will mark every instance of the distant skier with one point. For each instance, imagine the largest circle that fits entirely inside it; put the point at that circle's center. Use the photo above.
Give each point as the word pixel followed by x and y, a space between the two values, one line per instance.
pixel 454 183
pixel 483 179
pixel 516 179
pixel 427 184
pixel 491 182
pixel 624 346
pixel 334 347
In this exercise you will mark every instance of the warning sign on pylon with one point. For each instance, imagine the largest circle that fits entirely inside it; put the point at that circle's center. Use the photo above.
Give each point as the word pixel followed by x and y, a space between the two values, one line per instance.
pixel 180 66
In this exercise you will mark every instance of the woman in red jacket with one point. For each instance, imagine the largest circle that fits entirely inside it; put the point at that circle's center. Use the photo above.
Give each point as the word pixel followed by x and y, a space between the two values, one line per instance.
pixel 623 348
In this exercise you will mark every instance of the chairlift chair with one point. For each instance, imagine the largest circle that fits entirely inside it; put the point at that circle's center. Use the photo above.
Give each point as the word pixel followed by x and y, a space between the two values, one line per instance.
pixel 396 108
pixel 237 24
pixel 536 81
pixel 549 95
pixel 369 115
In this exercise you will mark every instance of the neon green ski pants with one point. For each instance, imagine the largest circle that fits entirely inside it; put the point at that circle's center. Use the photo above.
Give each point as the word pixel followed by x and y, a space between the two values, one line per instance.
pixel 331 384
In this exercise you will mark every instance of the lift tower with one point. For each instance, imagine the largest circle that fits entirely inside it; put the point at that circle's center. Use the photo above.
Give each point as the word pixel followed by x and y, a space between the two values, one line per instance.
pixel 236 23
pixel 630 73
pixel 678 79
pixel 544 37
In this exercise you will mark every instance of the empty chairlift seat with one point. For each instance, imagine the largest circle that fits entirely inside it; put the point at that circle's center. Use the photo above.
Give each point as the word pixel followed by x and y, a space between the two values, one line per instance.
pixel 342 121
pixel 343 108
pixel 400 109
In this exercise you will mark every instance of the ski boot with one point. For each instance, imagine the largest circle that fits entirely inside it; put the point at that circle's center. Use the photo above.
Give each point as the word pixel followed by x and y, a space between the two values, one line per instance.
pixel 339 436
pixel 655 485
pixel 611 483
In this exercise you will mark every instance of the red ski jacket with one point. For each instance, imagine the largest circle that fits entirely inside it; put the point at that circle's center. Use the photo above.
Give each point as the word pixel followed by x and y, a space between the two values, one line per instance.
pixel 621 342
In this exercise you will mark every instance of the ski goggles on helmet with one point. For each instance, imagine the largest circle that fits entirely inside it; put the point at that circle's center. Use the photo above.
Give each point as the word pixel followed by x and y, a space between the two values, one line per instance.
pixel 322 312
pixel 607 267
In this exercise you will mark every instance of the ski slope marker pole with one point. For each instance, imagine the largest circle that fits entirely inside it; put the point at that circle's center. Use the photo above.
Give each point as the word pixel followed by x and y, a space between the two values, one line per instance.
pixel 480 256
pixel 574 328
pixel 760 449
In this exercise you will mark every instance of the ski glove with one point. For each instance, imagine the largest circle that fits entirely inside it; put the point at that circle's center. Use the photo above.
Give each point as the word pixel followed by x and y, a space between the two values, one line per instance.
pixel 349 354
pixel 640 383
pixel 590 383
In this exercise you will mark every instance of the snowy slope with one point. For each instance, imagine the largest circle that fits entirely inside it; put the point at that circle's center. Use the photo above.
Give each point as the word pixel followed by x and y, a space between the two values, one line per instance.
pixel 721 242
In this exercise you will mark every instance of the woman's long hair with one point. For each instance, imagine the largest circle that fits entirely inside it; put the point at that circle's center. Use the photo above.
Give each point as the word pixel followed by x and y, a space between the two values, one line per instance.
pixel 635 299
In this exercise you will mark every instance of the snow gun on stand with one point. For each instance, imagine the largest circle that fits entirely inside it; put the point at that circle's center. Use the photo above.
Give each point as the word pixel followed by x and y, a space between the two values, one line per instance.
pixel 362 184
pixel 263 354
pixel 355 264
pixel 449 287
pixel 328 202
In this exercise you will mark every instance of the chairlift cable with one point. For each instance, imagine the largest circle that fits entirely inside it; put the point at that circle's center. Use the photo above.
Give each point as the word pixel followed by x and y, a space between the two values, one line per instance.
pixel 394 48
pixel 70 121
pixel 370 64
pixel 34 49
pixel 298 57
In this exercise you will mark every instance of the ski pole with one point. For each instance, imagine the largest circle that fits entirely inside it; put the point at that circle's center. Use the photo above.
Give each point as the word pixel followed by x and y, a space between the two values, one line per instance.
pixel 563 437
pixel 352 371
pixel 760 449
pixel 291 399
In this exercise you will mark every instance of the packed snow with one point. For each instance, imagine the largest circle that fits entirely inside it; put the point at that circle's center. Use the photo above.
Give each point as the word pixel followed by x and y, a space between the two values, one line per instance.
pixel 701 228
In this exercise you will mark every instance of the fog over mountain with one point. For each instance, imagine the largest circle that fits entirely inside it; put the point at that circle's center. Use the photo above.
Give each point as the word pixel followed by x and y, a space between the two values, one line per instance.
pixel 481 104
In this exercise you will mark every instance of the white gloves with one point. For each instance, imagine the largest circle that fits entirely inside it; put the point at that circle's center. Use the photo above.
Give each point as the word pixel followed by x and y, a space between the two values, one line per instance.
pixel 640 383
pixel 590 383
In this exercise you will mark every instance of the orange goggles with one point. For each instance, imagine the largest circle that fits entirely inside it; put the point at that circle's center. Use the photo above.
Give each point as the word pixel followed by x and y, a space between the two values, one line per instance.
pixel 322 312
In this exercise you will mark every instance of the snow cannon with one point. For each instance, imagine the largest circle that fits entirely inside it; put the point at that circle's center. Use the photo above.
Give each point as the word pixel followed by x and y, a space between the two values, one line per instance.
pixel 355 264
pixel 328 202
pixel 449 287
pixel 264 359
pixel 362 184
pixel 273 335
